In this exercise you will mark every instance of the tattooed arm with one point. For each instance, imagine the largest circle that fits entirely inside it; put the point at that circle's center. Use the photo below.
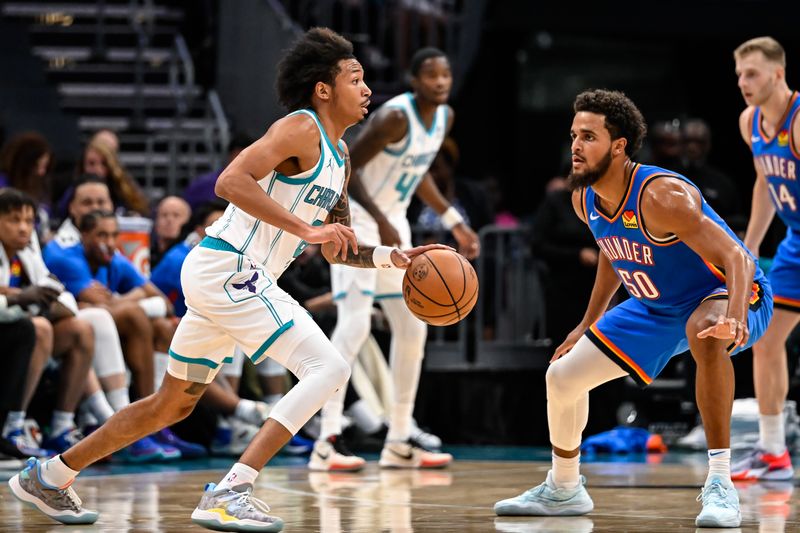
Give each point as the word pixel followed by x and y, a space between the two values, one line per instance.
pixel 340 214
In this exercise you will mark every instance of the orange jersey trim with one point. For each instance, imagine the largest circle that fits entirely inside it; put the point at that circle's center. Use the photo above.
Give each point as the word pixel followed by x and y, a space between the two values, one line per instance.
pixel 624 201
pixel 768 140
pixel 790 302
pixel 622 355
pixel 643 223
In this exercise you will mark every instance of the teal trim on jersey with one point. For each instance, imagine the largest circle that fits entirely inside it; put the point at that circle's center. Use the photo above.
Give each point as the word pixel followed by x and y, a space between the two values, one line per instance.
pixel 334 151
pixel 227 222
pixel 239 263
pixel 199 360
pixel 301 181
pixel 401 151
pixel 213 243
pixel 250 237
pixel 388 295
pixel 419 117
pixel 280 231
pixel 340 295
pixel 271 309
pixel 272 338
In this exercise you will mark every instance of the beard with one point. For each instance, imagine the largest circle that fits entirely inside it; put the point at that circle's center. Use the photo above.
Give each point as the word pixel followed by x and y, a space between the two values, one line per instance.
pixel 579 180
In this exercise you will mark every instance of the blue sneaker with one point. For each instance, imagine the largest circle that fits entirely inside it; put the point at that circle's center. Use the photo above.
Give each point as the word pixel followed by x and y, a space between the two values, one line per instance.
pixel 144 450
pixel 27 444
pixel 720 504
pixel 234 509
pixel 64 441
pixel 166 437
pixel 60 504
pixel 298 446
pixel 547 500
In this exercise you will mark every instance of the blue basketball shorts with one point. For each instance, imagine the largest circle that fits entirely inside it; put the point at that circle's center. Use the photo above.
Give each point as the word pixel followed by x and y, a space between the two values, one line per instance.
pixel 784 275
pixel 642 339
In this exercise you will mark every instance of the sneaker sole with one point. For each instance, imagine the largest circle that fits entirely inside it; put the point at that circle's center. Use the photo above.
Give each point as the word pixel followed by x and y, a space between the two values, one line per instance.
pixel 782 474
pixel 538 510
pixel 211 521
pixel 710 522
pixel 335 468
pixel 31 500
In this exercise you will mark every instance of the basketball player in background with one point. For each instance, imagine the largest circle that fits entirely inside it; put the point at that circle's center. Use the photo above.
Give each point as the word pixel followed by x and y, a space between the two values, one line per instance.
pixel 693 285
pixel 390 158
pixel 770 127
pixel 286 190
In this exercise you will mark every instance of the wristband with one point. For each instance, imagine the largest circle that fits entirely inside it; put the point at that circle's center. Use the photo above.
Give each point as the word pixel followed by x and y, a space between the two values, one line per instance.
pixel 3 301
pixel 451 218
pixel 382 257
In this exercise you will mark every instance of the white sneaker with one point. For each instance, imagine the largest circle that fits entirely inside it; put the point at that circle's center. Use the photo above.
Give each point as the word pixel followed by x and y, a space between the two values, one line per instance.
pixel 428 441
pixel 332 455
pixel 408 455
pixel 256 417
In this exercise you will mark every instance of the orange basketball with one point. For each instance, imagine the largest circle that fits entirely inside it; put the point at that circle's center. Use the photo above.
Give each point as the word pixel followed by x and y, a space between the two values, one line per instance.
pixel 440 287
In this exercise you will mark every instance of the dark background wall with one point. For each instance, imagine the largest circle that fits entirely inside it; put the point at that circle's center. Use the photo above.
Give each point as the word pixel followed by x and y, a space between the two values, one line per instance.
pixel 674 59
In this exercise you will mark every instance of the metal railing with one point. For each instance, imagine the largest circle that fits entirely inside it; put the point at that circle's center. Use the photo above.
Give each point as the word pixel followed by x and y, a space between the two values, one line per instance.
pixel 506 329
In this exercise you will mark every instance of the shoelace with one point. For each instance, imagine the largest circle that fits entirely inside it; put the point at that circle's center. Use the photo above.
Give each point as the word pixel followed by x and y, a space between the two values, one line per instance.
pixel 709 493
pixel 73 498
pixel 246 501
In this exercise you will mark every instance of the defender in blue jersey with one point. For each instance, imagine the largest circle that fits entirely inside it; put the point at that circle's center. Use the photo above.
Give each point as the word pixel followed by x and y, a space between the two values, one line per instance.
pixel 692 284
pixel 770 127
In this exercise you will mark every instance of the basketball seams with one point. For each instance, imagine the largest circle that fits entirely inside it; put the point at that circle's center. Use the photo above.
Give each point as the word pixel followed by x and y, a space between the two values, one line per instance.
pixel 444 282
pixel 472 297
pixel 411 282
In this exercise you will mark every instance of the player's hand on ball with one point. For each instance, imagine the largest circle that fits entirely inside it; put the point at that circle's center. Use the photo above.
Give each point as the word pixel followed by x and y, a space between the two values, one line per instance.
pixel 469 245
pixel 569 342
pixel 402 259
pixel 727 328
pixel 338 235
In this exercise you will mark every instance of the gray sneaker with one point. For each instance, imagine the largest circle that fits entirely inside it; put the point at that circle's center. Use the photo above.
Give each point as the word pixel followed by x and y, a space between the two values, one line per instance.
pixel 234 509
pixel 59 504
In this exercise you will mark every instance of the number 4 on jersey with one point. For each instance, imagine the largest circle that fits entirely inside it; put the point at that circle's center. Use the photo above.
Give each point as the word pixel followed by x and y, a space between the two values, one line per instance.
pixel 406 184
pixel 783 196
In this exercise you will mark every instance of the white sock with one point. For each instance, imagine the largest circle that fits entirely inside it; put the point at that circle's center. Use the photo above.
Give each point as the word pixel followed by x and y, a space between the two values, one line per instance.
pixel 62 421
pixel 719 464
pixel 118 398
pixel 400 422
pixel 772 437
pixel 57 474
pixel 238 474
pixel 14 421
pixel 98 406
pixel 331 420
pixel 566 471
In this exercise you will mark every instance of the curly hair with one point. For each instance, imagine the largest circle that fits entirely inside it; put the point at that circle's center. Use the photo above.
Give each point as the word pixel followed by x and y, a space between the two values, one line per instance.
pixel 622 118
pixel 312 58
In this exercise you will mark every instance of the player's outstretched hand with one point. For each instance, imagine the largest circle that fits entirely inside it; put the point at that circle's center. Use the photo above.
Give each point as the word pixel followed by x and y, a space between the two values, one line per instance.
pixel 389 234
pixel 568 343
pixel 469 245
pixel 404 258
pixel 339 235
pixel 727 328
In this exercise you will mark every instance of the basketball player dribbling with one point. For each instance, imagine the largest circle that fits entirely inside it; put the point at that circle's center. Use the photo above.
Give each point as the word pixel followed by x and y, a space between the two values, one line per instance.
pixel 693 285
pixel 770 127
pixel 286 190
pixel 391 157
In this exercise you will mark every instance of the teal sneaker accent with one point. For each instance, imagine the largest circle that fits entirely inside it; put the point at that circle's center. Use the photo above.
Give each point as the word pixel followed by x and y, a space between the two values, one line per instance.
pixel 720 504
pixel 59 504
pixel 548 500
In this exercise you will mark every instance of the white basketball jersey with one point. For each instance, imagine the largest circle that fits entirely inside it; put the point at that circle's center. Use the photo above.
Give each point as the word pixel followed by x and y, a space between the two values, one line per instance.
pixel 309 195
pixel 392 176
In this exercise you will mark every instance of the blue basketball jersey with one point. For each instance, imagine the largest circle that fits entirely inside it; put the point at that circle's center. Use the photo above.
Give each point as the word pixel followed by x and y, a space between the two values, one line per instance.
pixel 664 274
pixel 780 162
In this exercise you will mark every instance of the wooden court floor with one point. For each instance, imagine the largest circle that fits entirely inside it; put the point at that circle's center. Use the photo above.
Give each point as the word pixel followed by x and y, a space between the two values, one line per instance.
pixel 628 497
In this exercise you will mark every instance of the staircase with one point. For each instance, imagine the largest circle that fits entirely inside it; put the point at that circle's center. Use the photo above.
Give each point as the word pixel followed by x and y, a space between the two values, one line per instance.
pixel 123 65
